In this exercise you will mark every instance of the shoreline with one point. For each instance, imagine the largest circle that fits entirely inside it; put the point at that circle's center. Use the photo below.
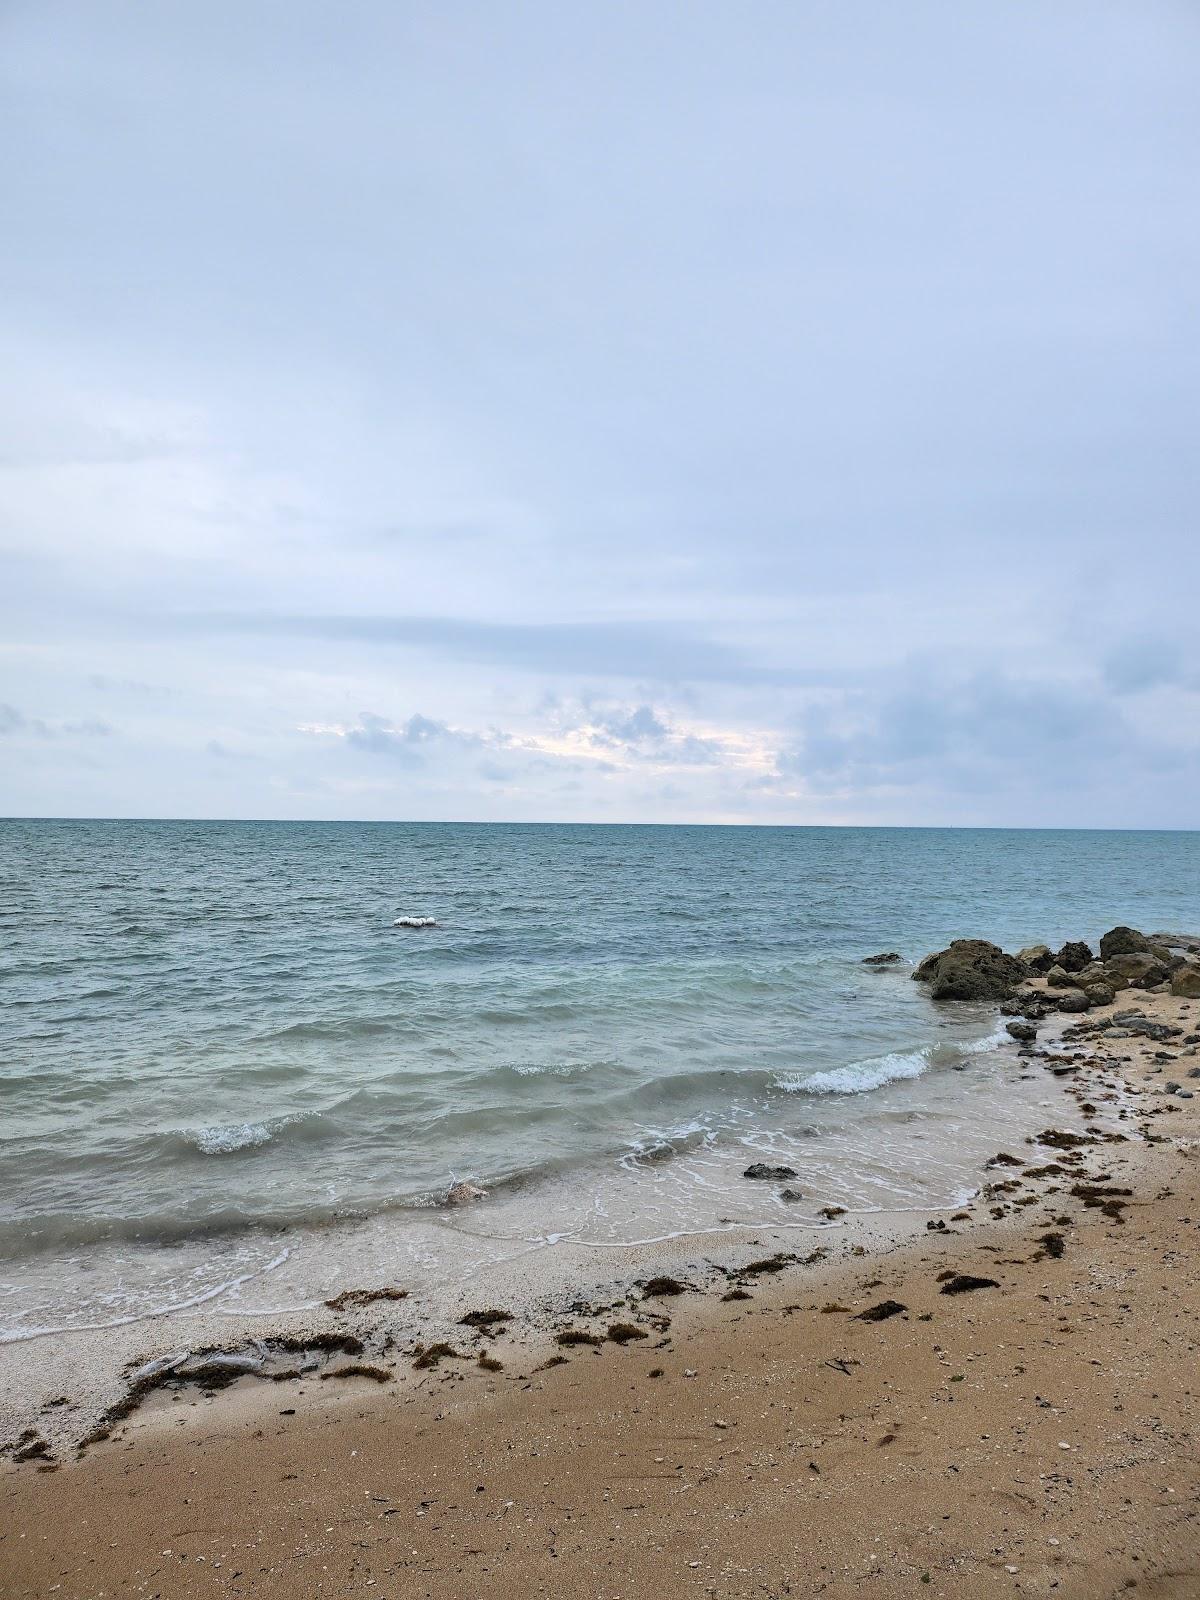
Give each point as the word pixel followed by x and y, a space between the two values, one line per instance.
pixel 178 1440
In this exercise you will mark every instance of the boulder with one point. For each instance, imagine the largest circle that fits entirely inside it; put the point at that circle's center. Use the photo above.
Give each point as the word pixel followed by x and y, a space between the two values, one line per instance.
pixel 464 1194
pixel 1093 973
pixel 1072 1000
pixel 1139 971
pixel 1026 1032
pixel 1123 941
pixel 764 1172
pixel 1186 982
pixel 1037 957
pixel 1074 956
pixel 971 969
pixel 887 959
pixel 1100 994
pixel 1056 978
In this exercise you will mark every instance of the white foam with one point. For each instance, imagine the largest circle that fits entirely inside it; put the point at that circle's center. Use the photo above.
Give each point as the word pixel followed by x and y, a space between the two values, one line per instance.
pixel 859 1076
pixel 415 922
pixel 222 1141
pixel 862 1076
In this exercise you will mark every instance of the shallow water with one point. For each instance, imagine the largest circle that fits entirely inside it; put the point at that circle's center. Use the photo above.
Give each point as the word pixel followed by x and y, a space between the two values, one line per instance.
pixel 212 1034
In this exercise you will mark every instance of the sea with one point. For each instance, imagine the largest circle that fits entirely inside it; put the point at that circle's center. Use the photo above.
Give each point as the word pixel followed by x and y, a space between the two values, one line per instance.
pixel 229 1050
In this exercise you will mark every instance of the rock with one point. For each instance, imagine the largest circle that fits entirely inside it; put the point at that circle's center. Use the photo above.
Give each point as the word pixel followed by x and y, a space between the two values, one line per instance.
pixel 1123 941
pixel 1094 972
pixel 1037 957
pixel 1186 983
pixel 1025 1031
pixel 1072 1000
pixel 1074 956
pixel 760 1169
pixel 971 969
pixel 885 960
pixel 1140 971
pixel 1058 978
pixel 1099 994
pixel 464 1194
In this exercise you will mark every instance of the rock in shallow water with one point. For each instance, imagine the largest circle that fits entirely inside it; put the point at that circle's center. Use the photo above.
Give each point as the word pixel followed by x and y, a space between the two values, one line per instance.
pixel 760 1169
pixel 971 969
pixel 1026 1032
pixel 886 959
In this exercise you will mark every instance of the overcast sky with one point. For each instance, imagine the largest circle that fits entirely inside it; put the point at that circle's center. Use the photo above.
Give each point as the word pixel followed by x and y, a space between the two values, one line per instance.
pixel 778 412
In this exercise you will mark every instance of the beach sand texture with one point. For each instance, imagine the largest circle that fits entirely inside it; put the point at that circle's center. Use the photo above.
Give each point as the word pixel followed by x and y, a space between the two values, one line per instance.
pixel 1037 1437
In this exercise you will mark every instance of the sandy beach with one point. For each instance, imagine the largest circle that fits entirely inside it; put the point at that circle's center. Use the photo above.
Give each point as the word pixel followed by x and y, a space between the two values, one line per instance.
pixel 866 1413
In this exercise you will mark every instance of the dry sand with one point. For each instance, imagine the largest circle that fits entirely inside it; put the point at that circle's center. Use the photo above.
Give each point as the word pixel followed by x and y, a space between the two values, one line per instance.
pixel 1033 1438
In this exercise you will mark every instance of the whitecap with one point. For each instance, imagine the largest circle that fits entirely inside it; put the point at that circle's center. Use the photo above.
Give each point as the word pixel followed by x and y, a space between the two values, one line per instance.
pixel 859 1076
pixel 221 1141
pixel 415 922
pixel 862 1076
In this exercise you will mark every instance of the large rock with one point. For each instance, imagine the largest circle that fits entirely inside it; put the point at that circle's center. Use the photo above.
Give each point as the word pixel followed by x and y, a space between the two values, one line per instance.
pixel 886 958
pixel 971 969
pixel 1074 956
pixel 1123 941
pixel 1186 982
pixel 1056 978
pixel 1071 1000
pixel 1139 971
pixel 1100 994
pixel 1037 957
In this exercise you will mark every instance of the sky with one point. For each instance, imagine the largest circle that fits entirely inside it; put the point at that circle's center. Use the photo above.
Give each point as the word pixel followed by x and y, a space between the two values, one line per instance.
pixel 697 412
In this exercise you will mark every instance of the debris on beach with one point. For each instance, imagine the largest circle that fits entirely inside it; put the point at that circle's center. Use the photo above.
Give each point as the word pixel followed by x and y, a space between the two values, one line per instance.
pixel 664 1285
pixel 431 1355
pixel 364 1297
pixel 966 1282
pixel 623 1332
pixel 359 1369
pixel 881 1312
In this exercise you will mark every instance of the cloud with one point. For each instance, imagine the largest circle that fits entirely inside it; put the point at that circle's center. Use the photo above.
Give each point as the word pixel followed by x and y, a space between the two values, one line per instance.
pixel 1146 661
pixel 661 651
pixel 407 740
pixel 976 733
pixel 14 722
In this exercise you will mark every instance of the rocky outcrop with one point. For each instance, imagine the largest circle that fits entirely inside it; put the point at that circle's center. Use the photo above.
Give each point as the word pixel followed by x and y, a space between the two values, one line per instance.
pixel 1072 1000
pixel 1074 956
pixel 971 969
pixel 1123 941
pixel 1140 971
pixel 1186 982
pixel 1057 978
pixel 1037 957
pixel 886 959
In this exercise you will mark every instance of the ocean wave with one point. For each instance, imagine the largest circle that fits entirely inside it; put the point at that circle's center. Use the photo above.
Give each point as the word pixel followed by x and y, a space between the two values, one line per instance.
pixel 220 1141
pixel 860 1077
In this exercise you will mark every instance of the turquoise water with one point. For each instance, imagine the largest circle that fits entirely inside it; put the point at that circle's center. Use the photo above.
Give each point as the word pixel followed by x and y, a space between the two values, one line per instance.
pixel 214 1026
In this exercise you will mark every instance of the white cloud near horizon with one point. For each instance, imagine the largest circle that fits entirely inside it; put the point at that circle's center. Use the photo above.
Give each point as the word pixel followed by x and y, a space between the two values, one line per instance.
pixel 655 413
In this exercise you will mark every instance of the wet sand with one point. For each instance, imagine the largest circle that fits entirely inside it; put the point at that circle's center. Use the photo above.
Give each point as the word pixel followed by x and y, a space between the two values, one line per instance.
pixel 1034 1437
